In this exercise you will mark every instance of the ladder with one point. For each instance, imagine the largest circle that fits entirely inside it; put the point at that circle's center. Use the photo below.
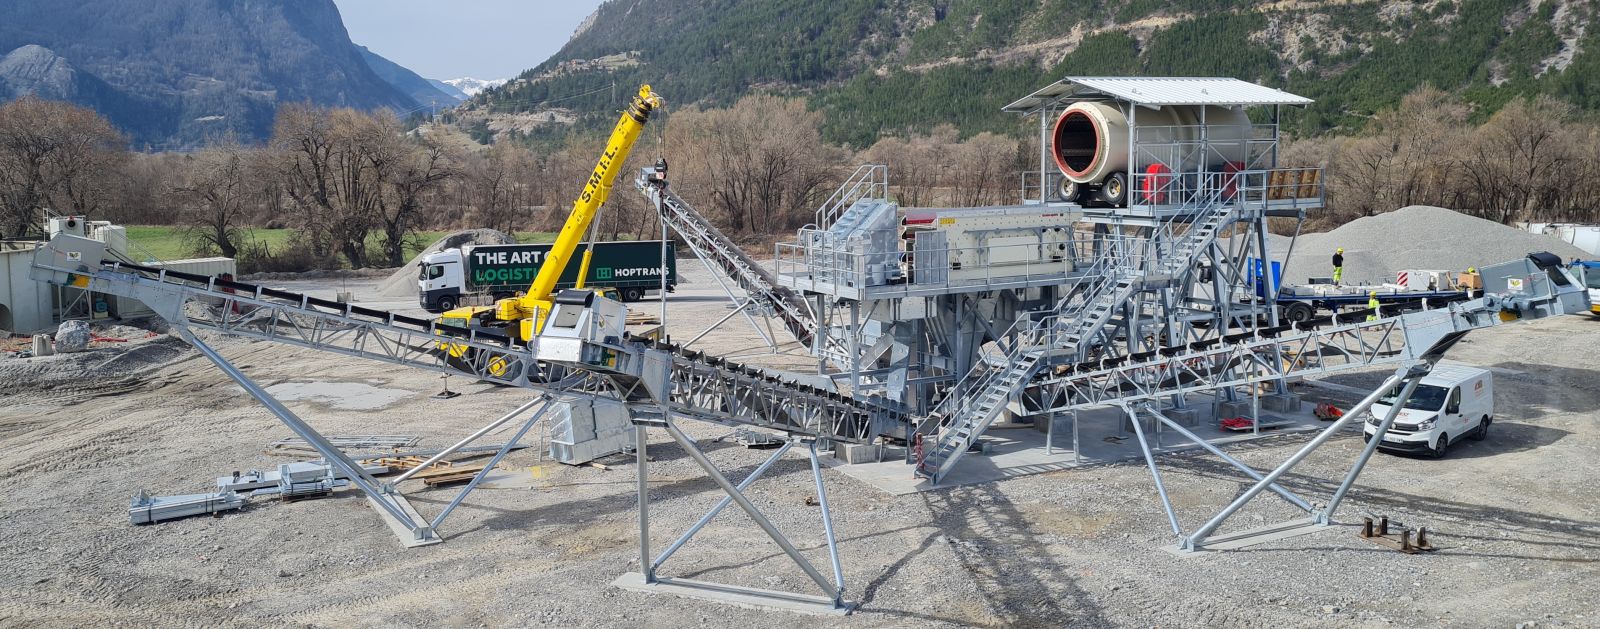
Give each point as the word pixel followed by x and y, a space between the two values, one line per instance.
pixel 1069 330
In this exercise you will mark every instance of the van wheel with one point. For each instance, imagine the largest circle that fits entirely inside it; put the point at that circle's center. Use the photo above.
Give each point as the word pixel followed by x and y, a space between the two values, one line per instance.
pixel 1483 429
pixel 632 294
pixel 1444 446
pixel 447 304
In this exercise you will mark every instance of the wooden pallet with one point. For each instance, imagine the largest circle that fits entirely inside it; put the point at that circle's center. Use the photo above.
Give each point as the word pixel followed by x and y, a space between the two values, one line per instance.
pixel 462 474
pixel 403 463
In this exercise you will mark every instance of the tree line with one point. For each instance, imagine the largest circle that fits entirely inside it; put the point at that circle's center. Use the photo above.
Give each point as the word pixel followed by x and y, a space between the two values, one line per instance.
pixel 357 188
pixel 1535 159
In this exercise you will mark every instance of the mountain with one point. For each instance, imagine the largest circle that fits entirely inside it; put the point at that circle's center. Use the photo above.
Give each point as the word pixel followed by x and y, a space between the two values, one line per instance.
pixel 419 89
pixel 176 72
pixel 471 87
pixel 451 90
pixel 885 66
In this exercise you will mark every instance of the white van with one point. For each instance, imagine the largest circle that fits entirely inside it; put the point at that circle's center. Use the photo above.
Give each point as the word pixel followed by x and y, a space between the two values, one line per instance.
pixel 1452 402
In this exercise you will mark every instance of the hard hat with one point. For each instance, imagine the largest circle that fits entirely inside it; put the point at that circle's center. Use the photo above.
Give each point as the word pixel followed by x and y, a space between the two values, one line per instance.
pixel 1339 250
pixel 1372 294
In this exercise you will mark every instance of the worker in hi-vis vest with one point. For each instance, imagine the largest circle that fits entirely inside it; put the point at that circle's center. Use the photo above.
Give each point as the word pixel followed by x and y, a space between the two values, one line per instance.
pixel 1338 265
pixel 1372 304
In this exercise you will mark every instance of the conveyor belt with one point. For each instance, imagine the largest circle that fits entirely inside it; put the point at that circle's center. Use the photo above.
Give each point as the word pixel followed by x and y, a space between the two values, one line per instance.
pixel 703 387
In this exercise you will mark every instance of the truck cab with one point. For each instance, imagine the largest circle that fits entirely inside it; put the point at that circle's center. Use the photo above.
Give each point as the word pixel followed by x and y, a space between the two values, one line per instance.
pixel 441 280
pixel 1451 402
pixel 1589 272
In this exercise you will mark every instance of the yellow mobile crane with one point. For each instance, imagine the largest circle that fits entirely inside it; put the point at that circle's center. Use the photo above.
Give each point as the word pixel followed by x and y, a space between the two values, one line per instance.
pixel 523 317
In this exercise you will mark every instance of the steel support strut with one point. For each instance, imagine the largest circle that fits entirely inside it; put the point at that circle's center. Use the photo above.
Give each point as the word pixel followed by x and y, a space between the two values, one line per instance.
pixel 1198 537
pixel 483 473
pixel 471 438
pixel 358 475
pixel 706 519
pixel 750 509
pixel 1326 516
pixel 1154 471
pixel 1249 471
pixel 827 526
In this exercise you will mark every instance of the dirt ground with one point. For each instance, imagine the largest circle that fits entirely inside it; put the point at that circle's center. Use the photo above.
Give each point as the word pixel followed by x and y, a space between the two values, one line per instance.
pixel 1517 516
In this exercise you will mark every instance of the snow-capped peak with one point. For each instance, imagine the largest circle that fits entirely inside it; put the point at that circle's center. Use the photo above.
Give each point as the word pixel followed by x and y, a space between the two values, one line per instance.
pixel 471 86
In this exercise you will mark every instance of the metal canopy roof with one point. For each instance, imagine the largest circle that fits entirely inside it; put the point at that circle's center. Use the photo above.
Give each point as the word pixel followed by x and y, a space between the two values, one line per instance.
pixel 1159 91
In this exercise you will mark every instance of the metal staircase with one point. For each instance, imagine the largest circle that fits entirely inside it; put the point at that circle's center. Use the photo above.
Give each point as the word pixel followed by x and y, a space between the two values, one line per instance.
pixel 1070 331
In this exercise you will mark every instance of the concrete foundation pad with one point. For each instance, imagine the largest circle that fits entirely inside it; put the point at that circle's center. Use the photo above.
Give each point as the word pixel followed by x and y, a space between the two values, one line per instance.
pixel 1234 409
pixel 736 595
pixel 1252 537
pixel 1186 417
pixel 407 538
pixel 1284 403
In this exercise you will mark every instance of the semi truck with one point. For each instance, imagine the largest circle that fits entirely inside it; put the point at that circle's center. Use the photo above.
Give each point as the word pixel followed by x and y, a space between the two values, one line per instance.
pixel 452 277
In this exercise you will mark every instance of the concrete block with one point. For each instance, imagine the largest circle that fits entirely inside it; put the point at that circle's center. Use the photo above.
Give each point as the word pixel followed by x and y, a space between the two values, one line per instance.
pixel 1285 403
pixel 1240 408
pixel 1146 422
pixel 1186 417
pixel 856 453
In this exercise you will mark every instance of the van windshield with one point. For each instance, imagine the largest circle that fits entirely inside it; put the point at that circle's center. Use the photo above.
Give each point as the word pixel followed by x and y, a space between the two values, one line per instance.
pixel 1427 397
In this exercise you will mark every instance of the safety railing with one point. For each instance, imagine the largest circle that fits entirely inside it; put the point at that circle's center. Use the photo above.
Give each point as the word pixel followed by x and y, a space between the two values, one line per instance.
pixel 869 181
pixel 818 259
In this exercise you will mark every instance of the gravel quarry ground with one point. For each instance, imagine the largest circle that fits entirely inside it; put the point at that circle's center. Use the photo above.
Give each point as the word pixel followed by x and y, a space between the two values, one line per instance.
pixel 1517 516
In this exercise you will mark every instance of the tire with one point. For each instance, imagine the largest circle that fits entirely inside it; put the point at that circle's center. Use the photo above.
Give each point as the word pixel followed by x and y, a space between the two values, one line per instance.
pixel 1299 312
pixel 1443 447
pixel 446 303
pixel 632 294
pixel 1114 190
pixel 1483 429
pixel 1068 191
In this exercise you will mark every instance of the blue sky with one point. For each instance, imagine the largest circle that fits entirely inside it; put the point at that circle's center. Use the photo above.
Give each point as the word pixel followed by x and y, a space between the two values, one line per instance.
pixel 485 39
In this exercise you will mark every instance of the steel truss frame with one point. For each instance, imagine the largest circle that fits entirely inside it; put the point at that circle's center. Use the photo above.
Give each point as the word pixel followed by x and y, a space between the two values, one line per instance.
pixel 696 386
pixel 649 580
pixel 1405 379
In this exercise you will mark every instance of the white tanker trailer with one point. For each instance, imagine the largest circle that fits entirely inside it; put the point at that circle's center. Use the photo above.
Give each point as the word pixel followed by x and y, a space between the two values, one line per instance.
pixel 1092 146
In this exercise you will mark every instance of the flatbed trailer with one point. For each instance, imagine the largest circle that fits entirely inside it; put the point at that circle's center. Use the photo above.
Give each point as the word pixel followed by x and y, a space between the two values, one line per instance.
pixel 1299 308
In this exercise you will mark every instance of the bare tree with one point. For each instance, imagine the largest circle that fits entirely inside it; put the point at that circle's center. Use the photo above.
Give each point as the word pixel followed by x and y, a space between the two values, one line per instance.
pixel 54 155
pixel 409 170
pixel 216 195
pixel 332 164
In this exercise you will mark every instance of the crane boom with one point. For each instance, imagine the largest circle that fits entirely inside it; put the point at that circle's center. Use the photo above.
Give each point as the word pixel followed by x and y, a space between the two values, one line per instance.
pixel 531 308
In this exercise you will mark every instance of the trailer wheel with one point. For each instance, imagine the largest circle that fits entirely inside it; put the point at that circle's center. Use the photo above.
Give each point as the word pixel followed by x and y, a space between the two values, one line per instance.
pixel 1068 191
pixel 1298 312
pixel 447 303
pixel 632 294
pixel 1114 190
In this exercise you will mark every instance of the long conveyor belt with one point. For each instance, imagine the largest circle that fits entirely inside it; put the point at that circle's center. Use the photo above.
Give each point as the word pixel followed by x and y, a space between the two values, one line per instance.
pixel 702 387
pixel 711 245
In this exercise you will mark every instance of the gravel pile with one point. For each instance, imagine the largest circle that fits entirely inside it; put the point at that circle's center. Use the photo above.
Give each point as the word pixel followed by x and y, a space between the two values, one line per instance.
pixel 1415 237
pixel 403 282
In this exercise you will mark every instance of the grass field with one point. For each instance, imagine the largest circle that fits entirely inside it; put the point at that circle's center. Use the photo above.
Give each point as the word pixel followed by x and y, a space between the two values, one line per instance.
pixel 165 242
